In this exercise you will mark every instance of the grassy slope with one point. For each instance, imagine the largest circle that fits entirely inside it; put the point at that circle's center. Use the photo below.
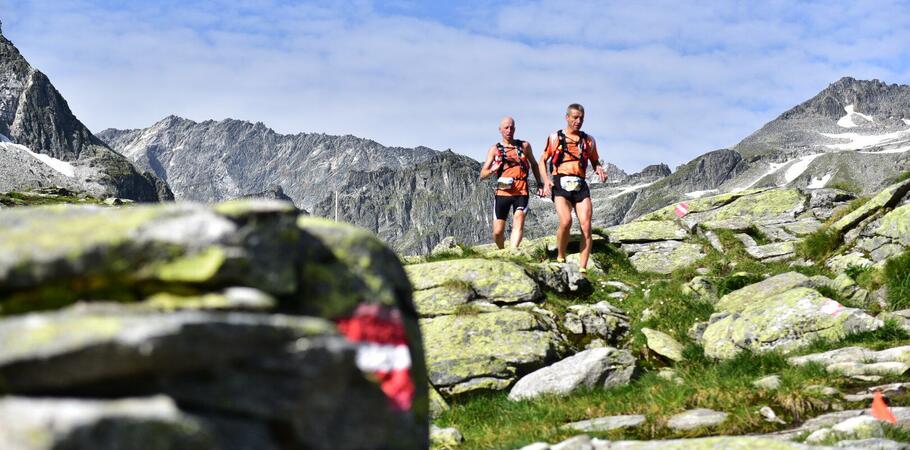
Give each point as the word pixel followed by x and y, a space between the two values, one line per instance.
pixel 491 421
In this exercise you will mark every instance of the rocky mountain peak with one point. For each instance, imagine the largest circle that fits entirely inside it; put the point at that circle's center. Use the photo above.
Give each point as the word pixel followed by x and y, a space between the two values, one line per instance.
pixel 872 97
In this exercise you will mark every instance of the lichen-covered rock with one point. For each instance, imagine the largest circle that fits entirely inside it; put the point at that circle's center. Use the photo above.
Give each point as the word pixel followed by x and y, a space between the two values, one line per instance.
pixel 445 437
pixel 699 286
pixel 83 345
pixel 666 261
pixel 600 367
pixel 178 274
pixel 740 299
pixel 496 281
pixel 601 320
pixel 438 404
pixel 663 344
pixel 784 322
pixel 896 225
pixel 646 231
pixel 128 424
pixel 447 246
pixel 772 252
pixel 775 203
pixel 710 443
pixel 486 351
pixel 887 197
pixel 840 263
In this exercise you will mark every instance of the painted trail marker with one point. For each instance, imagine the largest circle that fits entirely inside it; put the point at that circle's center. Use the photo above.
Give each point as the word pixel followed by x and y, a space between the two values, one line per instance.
pixel 682 209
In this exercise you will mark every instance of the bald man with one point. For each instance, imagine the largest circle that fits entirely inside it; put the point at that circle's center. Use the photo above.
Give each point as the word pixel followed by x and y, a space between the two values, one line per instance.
pixel 510 160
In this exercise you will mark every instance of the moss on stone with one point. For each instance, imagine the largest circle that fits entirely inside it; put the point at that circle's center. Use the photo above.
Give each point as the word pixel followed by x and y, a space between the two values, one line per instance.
pixel 195 268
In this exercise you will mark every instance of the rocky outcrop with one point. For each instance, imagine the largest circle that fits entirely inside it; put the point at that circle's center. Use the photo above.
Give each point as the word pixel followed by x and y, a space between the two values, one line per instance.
pixel 596 368
pixel 317 337
pixel 46 135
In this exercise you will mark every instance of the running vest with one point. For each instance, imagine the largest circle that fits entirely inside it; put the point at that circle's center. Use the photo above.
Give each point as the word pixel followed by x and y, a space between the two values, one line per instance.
pixel 563 149
pixel 523 162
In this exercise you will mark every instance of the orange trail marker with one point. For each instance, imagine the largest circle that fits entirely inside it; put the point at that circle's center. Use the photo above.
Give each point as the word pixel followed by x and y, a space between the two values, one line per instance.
pixel 880 409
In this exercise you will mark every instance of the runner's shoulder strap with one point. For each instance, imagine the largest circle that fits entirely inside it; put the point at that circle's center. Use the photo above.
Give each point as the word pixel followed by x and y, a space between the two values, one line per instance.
pixel 521 158
pixel 563 148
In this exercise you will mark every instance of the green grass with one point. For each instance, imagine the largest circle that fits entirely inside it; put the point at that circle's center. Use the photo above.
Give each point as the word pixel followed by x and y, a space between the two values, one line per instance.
pixel 901 177
pixel 897 277
pixel 17 199
pixel 492 421
pixel 466 252
pixel 819 245
pixel 849 208
pixel 846 185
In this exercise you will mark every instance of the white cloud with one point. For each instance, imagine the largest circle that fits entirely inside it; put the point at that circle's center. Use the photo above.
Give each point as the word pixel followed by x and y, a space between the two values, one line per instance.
pixel 662 81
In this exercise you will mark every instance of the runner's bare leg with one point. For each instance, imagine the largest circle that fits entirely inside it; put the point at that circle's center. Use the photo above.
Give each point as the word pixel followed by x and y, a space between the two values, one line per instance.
pixel 564 212
pixel 499 236
pixel 583 210
pixel 518 225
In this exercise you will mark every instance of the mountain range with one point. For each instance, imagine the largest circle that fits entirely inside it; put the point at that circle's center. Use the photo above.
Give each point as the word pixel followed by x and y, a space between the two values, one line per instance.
pixel 853 135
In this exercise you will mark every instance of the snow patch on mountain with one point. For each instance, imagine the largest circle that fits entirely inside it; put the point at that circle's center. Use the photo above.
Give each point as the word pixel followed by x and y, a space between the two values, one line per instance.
pixel 4 138
pixel 699 194
pixel 631 189
pixel 864 141
pixel 799 166
pixel 62 167
pixel 818 183
pixel 848 121
pixel 906 121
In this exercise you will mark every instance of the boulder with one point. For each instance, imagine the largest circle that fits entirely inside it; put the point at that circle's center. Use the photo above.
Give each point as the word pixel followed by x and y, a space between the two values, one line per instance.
pixel 667 259
pixel 559 277
pixel 740 299
pixel 896 225
pixel 487 351
pixel 886 198
pixel 600 367
pixel 500 282
pixel 602 424
pixel 599 321
pixel 783 322
pixel 646 231
pixel 84 345
pixel 127 424
pixel 663 344
pixel 780 204
pixel 447 246
pixel 696 418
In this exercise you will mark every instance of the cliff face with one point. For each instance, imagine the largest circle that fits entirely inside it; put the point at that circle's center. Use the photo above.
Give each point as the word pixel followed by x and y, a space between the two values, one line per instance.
pixel 35 116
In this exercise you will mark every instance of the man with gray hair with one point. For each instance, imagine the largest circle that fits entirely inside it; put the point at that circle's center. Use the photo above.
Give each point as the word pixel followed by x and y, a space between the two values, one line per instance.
pixel 569 151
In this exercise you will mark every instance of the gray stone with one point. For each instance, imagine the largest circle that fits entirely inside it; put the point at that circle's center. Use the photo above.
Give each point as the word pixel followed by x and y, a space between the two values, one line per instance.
pixel 486 351
pixel 769 415
pixel 599 367
pixel 600 320
pixel 82 345
pixel 663 344
pixel 739 299
pixel 775 251
pixel 872 444
pixel 445 437
pixel 840 263
pixel 609 423
pixel 581 442
pixel 559 277
pixel 447 246
pixel 666 261
pixel 696 418
pixel 861 427
pixel 770 382
pixel 783 322
pixel 129 424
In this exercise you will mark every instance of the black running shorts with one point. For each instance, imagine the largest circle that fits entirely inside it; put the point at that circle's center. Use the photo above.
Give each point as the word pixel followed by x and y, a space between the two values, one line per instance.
pixel 503 203
pixel 573 196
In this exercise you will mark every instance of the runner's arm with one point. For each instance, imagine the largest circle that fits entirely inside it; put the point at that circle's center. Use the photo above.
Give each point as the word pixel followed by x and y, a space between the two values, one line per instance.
pixel 534 167
pixel 487 169
pixel 541 170
pixel 595 161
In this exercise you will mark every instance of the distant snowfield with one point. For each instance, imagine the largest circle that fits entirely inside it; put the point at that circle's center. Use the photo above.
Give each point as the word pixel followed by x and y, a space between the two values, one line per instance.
pixel 631 188
pixel 818 183
pixel 4 138
pixel 906 121
pixel 63 167
pixel 700 194
pixel 863 142
pixel 848 122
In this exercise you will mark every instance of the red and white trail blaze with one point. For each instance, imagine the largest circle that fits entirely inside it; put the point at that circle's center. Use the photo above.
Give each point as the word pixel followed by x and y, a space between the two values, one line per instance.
pixel 382 350
pixel 682 209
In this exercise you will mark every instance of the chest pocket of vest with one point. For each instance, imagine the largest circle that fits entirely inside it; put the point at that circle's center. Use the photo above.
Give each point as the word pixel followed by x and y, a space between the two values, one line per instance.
pixel 505 183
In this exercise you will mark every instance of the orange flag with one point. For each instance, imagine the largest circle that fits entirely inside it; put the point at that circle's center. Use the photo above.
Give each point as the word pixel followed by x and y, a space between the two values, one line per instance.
pixel 880 409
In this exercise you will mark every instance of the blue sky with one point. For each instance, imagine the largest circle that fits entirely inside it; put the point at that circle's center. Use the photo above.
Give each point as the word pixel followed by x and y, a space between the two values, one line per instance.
pixel 662 81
